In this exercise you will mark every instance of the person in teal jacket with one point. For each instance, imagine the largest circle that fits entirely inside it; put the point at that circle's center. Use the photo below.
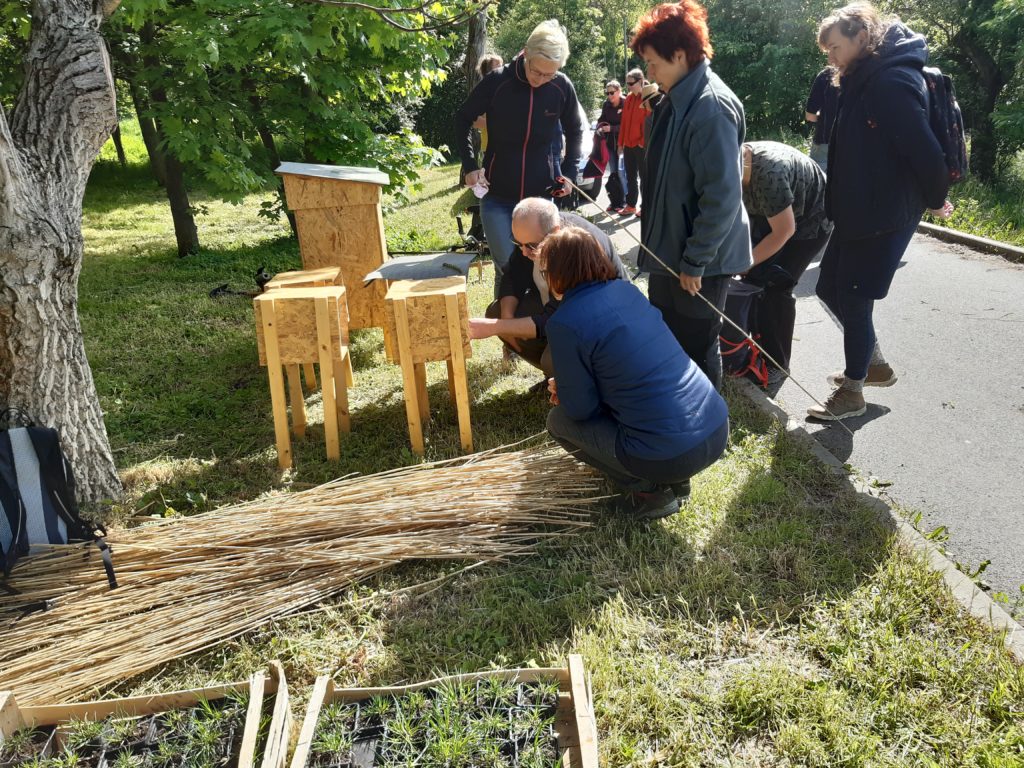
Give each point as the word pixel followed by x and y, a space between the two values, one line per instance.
pixel 693 219
pixel 628 400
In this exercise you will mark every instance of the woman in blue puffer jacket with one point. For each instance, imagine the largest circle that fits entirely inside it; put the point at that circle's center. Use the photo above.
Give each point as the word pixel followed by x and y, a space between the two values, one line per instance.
pixel 628 400
pixel 885 169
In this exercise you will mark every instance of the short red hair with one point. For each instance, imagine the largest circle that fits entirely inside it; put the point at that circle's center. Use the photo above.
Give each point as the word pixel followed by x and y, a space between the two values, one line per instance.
pixel 572 256
pixel 672 27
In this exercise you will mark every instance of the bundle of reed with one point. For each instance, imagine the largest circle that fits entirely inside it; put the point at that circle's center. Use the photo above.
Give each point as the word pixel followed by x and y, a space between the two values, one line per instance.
pixel 191 583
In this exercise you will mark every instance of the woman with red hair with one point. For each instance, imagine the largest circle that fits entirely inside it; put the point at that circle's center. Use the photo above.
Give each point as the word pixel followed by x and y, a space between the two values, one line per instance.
pixel 694 219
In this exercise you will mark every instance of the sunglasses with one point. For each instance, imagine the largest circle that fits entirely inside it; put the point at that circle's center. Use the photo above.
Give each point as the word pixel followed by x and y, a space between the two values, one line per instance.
pixel 632 82
pixel 525 246
pixel 609 93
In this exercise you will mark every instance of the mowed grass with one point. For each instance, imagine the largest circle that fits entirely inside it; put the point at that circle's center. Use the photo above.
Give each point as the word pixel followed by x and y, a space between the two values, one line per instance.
pixel 773 622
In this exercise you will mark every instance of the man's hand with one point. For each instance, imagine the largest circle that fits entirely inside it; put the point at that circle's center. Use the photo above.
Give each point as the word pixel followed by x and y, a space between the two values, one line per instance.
pixel 565 190
pixel 476 176
pixel 553 389
pixel 942 213
pixel 689 284
pixel 481 328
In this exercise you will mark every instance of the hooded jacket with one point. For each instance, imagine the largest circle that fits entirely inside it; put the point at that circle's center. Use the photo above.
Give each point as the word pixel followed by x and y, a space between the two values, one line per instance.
pixel 521 124
pixel 885 166
pixel 694 218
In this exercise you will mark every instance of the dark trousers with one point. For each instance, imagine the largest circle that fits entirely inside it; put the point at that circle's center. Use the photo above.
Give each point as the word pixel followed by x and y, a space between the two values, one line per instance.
pixel 534 351
pixel 636 171
pixel 694 324
pixel 776 312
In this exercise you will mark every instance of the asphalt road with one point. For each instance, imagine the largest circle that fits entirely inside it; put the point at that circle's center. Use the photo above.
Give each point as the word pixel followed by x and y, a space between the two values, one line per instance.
pixel 948 439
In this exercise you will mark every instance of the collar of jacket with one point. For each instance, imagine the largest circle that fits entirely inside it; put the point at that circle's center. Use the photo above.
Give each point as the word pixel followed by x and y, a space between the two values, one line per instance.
pixel 688 88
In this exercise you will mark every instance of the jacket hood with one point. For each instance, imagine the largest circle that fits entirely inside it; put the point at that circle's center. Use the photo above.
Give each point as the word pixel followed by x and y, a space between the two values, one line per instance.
pixel 901 45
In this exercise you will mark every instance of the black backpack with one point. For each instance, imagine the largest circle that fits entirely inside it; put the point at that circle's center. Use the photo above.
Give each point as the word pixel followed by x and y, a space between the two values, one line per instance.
pixel 947 122
pixel 739 356
pixel 37 495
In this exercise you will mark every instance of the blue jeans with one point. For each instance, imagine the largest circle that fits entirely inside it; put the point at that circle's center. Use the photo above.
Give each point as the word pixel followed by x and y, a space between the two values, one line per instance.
pixel 855 314
pixel 496 218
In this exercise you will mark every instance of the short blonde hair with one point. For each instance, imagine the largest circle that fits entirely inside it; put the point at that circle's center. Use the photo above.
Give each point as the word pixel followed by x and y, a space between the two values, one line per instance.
pixel 548 41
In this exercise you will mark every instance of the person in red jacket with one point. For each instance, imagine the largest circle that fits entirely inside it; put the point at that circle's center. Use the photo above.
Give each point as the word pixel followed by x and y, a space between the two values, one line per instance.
pixel 631 140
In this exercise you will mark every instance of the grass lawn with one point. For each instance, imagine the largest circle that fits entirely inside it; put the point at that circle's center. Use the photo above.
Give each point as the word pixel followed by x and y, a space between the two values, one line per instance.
pixel 772 623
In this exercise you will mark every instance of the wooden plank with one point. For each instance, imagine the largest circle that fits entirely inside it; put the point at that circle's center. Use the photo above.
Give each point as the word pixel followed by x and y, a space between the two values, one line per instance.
pixel 305 193
pixel 277 397
pixel 341 396
pixel 305 278
pixel 251 732
pixel 422 398
pixel 451 381
pixel 584 708
pixel 295 321
pixel 10 716
pixel 457 365
pixel 350 374
pixel 323 336
pixel 316 702
pixel 310 375
pixel 425 301
pixel 280 729
pixel 297 401
pixel 412 410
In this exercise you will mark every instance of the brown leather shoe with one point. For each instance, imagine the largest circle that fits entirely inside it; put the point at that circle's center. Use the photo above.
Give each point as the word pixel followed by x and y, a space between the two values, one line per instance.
pixel 841 404
pixel 880 375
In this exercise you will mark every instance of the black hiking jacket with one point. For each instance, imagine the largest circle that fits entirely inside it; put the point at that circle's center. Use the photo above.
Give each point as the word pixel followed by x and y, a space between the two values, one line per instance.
pixel 521 124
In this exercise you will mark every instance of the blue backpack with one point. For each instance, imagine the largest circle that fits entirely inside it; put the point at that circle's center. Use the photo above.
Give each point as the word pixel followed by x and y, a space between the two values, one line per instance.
pixel 37 496
pixel 947 122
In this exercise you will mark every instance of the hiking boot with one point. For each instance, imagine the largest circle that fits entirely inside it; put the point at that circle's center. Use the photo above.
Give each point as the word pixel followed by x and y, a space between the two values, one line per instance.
pixel 629 210
pixel 879 375
pixel 681 490
pixel 651 505
pixel 843 403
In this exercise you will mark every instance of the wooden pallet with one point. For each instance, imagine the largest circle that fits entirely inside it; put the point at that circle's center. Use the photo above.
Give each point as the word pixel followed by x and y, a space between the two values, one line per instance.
pixel 13 718
pixel 574 725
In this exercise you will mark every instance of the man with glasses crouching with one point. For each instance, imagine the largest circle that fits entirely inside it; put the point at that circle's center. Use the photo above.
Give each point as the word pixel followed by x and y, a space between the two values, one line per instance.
pixel 524 304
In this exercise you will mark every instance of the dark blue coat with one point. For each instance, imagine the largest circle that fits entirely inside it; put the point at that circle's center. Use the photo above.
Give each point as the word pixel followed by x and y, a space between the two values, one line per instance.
pixel 614 355
pixel 885 166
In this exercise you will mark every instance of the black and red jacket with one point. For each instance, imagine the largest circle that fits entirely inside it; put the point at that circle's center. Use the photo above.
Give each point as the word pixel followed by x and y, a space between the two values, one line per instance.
pixel 521 124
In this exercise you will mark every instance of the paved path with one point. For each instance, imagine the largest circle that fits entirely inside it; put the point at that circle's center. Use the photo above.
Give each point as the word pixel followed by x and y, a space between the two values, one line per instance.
pixel 949 436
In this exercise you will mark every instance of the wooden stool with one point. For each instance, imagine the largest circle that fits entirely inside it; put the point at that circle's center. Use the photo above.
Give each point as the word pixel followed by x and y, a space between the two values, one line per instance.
pixel 295 326
pixel 429 320
pixel 306 278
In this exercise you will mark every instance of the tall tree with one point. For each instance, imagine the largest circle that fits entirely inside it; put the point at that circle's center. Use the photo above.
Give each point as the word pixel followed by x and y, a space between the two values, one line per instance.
pixel 62 116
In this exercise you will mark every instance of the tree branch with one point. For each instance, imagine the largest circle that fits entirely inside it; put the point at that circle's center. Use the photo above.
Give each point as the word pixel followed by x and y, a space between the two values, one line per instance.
pixel 384 13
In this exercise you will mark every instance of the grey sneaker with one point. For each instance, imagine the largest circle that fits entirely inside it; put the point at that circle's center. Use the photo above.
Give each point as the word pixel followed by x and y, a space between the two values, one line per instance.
pixel 879 375
pixel 841 404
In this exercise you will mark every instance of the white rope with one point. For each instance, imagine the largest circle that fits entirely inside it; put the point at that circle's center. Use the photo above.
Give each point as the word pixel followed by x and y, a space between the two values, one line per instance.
pixel 717 311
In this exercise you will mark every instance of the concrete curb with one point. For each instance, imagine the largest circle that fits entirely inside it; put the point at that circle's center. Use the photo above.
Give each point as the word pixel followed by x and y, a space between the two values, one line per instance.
pixel 1007 251
pixel 972 598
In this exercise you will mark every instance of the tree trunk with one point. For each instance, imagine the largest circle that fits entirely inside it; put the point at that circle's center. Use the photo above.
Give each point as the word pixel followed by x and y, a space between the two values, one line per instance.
pixel 157 163
pixel 989 81
pixel 267 137
pixel 185 232
pixel 119 146
pixel 62 117
pixel 476 47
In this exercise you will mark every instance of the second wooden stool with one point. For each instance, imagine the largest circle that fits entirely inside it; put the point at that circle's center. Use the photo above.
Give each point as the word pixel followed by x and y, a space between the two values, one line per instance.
pixel 429 320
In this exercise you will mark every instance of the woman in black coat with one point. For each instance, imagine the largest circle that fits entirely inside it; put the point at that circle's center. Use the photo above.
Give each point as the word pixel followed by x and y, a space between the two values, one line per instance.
pixel 886 168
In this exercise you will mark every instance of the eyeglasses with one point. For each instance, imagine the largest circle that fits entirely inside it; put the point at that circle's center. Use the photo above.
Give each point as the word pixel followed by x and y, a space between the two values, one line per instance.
pixel 611 92
pixel 632 82
pixel 538 74
pixel 531 247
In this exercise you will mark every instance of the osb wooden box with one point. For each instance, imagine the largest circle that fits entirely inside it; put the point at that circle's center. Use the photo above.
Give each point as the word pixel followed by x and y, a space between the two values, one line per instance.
pixel 426 308
pixel 13 718
pixel 295 322
pixel 575 726
pixel 305 278
pixel 339 223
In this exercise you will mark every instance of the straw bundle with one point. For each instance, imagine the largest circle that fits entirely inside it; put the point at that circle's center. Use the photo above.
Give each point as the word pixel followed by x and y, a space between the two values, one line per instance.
pixel 191 583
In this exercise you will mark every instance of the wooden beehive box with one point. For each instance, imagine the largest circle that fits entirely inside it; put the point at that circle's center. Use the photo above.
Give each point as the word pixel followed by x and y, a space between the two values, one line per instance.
pixel 425 304
pixel 259 686
pixel 340 224
pixel 295 322
pixel 575 725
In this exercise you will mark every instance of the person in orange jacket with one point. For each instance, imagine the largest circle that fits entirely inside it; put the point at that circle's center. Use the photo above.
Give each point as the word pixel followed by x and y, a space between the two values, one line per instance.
pixel 631 140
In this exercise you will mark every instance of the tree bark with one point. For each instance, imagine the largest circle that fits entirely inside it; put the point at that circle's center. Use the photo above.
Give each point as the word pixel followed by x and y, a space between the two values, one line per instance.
pixel 63 115
pixel 989 80
pixel 157 162
pixel 476 47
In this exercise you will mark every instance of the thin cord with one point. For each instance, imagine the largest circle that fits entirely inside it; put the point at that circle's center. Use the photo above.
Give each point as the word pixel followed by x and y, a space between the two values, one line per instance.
pixel 719 312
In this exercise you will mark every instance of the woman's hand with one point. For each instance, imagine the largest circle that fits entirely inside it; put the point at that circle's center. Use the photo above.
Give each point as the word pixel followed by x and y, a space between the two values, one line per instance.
pixel 553 389
pixel 689 284
pixel 475 177
pixel 944 212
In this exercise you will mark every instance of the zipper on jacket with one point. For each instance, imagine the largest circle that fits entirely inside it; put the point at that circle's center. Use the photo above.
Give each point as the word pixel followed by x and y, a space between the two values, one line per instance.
pixel 526 141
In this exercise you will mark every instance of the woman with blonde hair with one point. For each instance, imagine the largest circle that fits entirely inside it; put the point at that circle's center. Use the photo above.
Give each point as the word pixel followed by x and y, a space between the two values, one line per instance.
pixel 524 102
pixel 885 169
